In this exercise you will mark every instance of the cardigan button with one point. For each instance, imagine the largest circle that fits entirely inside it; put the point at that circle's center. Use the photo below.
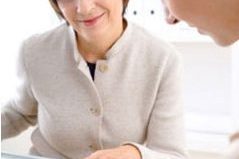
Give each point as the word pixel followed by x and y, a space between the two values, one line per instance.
pixel 95 111
pixel 93 148
pixel 103 68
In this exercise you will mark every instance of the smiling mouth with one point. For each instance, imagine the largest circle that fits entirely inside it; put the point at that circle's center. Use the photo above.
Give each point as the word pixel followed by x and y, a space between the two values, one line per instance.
pixel 92 21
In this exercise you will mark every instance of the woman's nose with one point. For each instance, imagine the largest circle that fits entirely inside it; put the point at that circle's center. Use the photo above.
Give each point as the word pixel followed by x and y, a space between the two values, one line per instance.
pixel 84 7
pixel 171 19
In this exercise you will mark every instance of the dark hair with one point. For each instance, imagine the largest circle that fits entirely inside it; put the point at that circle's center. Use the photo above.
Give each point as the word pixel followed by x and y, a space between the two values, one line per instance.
pixel 59 13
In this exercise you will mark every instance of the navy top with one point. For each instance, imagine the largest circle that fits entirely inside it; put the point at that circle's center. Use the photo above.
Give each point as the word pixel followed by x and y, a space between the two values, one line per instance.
pixel 92 69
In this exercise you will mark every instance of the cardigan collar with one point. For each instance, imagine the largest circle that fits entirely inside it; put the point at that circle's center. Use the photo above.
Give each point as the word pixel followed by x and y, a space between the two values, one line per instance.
pixel 119 46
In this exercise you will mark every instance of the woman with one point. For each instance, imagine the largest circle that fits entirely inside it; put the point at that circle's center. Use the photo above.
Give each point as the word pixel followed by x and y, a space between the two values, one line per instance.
pixel 98 87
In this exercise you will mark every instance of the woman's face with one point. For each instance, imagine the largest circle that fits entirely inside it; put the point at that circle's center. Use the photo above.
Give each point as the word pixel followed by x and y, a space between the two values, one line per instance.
pixel 215 18
pixel 92 18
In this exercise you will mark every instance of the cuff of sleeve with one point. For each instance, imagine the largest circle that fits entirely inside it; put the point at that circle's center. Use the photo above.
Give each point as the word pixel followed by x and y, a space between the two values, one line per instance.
pixel 147 153
pixel 137 146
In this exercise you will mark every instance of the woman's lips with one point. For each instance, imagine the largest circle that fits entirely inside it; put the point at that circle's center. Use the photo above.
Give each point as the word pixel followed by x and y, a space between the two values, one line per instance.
pixel 92 21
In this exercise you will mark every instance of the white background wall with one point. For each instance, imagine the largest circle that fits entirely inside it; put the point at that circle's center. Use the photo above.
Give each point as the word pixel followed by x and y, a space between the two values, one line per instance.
pixel 235 85
pixel 211 72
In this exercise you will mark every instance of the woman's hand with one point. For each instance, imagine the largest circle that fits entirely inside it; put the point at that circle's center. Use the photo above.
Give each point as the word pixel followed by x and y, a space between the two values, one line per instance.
pixel 121 152
pixel 232 151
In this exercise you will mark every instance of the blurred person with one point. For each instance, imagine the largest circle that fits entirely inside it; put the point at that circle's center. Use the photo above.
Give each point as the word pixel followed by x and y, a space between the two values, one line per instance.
pixel 217 18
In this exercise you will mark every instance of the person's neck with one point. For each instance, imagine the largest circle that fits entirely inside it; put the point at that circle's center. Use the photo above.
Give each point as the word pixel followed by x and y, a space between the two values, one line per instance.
pixel 235 20
pixel 233 30
pixel 96 48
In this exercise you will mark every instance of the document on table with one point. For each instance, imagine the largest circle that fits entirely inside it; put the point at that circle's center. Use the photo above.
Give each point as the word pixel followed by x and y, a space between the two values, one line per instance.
pixel 5 155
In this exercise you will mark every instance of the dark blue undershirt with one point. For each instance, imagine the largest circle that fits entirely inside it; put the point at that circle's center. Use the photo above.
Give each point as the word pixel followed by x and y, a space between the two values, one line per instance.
pixel 92 69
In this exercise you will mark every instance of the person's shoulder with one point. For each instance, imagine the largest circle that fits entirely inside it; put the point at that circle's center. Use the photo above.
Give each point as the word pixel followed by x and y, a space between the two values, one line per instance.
pixel 153 44
pixel 42 45
pixel 48 37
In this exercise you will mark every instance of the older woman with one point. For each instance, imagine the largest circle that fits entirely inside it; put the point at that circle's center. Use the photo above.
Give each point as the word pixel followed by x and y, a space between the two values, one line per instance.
pixel 96 87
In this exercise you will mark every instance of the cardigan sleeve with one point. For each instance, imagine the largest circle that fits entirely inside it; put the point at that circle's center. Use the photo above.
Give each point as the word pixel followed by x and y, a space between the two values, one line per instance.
pixel 165 134
pixel 21 111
